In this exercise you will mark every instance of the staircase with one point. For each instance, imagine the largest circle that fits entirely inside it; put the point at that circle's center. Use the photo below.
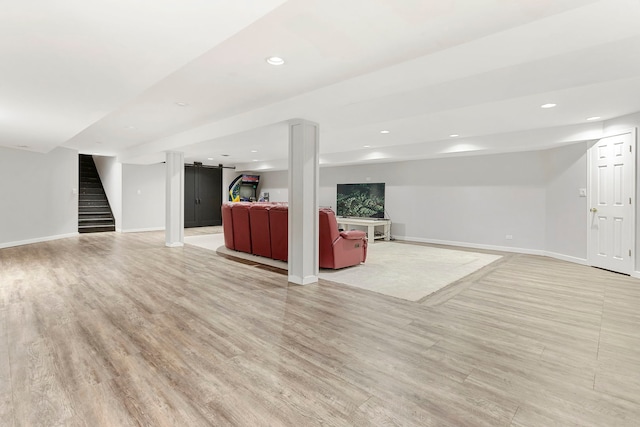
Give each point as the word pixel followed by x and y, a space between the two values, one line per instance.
pixel 94 212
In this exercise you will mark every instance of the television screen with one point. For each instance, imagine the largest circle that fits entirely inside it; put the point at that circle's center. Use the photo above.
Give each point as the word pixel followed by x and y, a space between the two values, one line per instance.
pixel 361 200
pixel 247 192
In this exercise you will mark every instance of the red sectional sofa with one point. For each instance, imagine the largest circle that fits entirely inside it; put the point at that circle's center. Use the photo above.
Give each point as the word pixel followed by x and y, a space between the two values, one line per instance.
pixel 262 229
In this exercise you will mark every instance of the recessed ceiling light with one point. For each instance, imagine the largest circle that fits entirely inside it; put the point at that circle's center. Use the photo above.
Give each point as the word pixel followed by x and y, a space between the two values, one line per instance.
pixel 181 104
pixel 453 135
pixel 385 131
pixel 254 151
pixel 366 146
pixel 209 158
pixel 22 146
pixel 254 160
pixel 593 118
pixel 548 105
pixel 275 60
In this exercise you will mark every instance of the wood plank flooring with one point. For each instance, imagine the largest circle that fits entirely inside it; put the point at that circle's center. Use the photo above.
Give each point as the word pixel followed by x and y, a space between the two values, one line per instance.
pixel 117 330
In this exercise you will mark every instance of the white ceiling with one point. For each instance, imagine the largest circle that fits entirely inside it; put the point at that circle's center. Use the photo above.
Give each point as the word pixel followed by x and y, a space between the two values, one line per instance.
pixel 104 76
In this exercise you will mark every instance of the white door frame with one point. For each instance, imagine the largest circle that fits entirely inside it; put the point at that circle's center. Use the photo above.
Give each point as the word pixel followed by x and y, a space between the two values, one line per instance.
pixel 590 202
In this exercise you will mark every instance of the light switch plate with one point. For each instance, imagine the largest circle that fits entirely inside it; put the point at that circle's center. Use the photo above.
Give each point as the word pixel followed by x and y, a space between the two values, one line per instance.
pixel 582 192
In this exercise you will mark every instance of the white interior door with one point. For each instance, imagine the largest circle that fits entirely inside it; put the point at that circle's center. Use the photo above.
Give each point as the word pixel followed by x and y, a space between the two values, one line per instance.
pixel 611 192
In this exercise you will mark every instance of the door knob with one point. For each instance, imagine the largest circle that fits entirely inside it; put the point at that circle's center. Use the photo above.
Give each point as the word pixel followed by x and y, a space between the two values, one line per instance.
pixel 594 210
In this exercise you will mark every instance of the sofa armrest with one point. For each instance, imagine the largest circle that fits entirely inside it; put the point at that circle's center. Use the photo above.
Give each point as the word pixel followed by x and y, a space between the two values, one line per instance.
pixel 353 235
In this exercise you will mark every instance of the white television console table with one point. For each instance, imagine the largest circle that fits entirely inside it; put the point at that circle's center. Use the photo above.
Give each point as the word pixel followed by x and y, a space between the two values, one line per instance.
pixel 371 224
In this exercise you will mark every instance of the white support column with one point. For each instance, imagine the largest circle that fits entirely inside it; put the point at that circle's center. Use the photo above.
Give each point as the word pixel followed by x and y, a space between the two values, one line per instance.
pixel 303 201
pixel 174 221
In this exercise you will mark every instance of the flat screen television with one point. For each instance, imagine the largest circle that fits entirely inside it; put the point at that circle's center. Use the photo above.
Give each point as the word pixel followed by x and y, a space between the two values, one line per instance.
pixel 360 200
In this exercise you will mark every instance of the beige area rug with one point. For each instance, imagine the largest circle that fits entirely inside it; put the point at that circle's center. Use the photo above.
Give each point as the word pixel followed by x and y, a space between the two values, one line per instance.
pixel 401 270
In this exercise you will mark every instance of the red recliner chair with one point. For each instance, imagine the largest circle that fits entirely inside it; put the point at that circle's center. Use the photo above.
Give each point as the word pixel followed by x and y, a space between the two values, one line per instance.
pixel 260 234
pixel 241 227
pixel 227 225
pixel 339 249
pixel 279 228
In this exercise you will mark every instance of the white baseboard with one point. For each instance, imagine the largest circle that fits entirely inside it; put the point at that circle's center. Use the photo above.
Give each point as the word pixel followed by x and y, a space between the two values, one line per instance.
pixel 472 245
pixel 37 240
pixel 142 230
pixel 174 245
pixel 307 280
pixel 568 258
pixel 526 251
pixel 636 274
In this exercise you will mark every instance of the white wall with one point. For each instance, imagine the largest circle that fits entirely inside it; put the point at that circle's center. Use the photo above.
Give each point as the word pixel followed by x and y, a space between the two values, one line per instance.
pixel 566 210
pixel 471 200
pixel 478 200
pixel 276 184
pixel 617 126
pixel 37 199
pixel 143 197
pixel 228 175
pixel 110 171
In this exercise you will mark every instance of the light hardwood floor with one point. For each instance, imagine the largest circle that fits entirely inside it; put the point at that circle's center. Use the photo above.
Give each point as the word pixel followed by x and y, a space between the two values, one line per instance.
pixel 117 330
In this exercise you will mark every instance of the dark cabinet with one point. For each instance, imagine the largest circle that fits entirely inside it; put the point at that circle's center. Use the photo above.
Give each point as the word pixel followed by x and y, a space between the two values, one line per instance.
pixel 202 196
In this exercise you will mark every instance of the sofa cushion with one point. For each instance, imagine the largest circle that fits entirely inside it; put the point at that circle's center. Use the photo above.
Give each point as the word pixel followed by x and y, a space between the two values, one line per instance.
pixel 260 229
pixel 241 227
pixel 279 228
pixel 227 225
pixel 353 234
